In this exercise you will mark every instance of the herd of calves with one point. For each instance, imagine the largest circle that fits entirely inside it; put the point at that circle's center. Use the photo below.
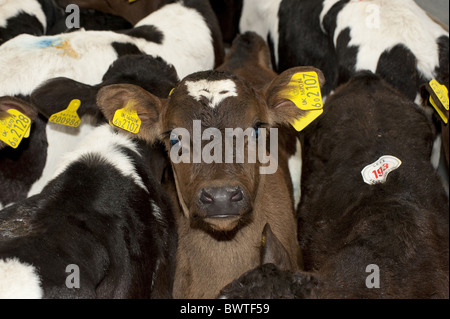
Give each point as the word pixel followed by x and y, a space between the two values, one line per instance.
pixel 116 177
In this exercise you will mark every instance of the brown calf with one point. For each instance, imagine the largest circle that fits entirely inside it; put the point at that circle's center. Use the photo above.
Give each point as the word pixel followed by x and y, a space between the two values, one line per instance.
pixel 249 58
pixel 225 206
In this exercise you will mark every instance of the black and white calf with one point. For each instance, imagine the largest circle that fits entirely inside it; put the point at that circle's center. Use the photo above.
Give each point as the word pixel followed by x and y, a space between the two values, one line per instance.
pixel 292 30
pixel 395 39
pixel 102 228
pixel 27 16
pixel 85 56
pixel 24 171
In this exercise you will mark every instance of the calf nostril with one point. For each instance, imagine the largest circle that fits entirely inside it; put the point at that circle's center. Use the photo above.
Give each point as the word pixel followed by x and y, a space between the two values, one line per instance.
pixel 206 198
pixel 237 196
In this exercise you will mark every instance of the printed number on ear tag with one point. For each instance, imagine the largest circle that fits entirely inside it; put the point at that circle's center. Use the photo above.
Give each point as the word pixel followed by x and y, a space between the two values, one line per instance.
pixel 306 95
pixel 127 119
pixel 442 94
pixel 69 116
pixel 378 172
pixel 14 127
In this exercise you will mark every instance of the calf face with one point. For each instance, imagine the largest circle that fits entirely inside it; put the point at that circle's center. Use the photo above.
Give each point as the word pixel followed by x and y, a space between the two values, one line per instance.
pixel 217 195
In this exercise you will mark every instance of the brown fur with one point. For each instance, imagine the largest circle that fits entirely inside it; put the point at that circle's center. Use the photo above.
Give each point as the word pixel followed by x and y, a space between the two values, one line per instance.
pixel 214 251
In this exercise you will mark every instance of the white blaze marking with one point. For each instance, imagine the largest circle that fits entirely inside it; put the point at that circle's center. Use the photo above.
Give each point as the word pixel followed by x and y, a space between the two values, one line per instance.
pixel 214 91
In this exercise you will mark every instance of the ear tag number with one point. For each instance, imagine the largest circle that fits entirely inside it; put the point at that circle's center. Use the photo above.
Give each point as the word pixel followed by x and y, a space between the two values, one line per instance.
pixel 127 118
pixel 378 172
pixel 14 128
pixel 306 95
pixel 442 95
pixel 69 116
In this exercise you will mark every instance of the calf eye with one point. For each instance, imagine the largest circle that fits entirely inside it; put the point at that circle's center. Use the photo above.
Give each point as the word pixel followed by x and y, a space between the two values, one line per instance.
pixel 174 139
pixel 256 130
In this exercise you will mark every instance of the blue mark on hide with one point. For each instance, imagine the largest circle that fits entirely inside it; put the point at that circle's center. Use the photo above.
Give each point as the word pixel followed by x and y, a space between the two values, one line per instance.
pixel 49 42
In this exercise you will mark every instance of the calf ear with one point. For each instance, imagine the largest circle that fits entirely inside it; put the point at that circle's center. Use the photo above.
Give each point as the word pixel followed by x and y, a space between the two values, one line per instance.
pixel 278 93
pixel 273 251
pixel 148 108
pixel 24 107
pixel 55 95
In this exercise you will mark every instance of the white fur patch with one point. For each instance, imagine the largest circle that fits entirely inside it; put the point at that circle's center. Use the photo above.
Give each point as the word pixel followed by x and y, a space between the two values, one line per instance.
pixel 40 62
pixel 61 140
pixel 11 8
pixel 436 152
pixel 379 25
pixel 19 280
pixel 214 91
pixel 104 142
pixel 187 43
pixel 295 170
pixel 261 17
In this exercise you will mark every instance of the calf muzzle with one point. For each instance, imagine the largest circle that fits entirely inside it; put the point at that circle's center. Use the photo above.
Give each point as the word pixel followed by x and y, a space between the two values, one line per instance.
pixel 222 202
pixel 222 208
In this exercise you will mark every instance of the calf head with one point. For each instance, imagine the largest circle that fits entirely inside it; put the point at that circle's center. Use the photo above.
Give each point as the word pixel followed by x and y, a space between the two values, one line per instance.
pixel 208 115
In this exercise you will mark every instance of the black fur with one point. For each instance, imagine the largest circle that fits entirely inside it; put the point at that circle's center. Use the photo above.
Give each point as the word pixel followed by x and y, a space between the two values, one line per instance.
pixel 302 42
pixel 21 23
pixel 403 76
pixel 93 216
pixel 399 225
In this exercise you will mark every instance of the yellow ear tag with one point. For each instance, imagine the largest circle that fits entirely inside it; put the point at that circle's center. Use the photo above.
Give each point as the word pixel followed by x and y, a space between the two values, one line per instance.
pixel 69 116
pixel 307 96
pixel 442 94
pixel 131 1
pixel 171 91
pixel 14 127
pixel 263 241
pixel 127 118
